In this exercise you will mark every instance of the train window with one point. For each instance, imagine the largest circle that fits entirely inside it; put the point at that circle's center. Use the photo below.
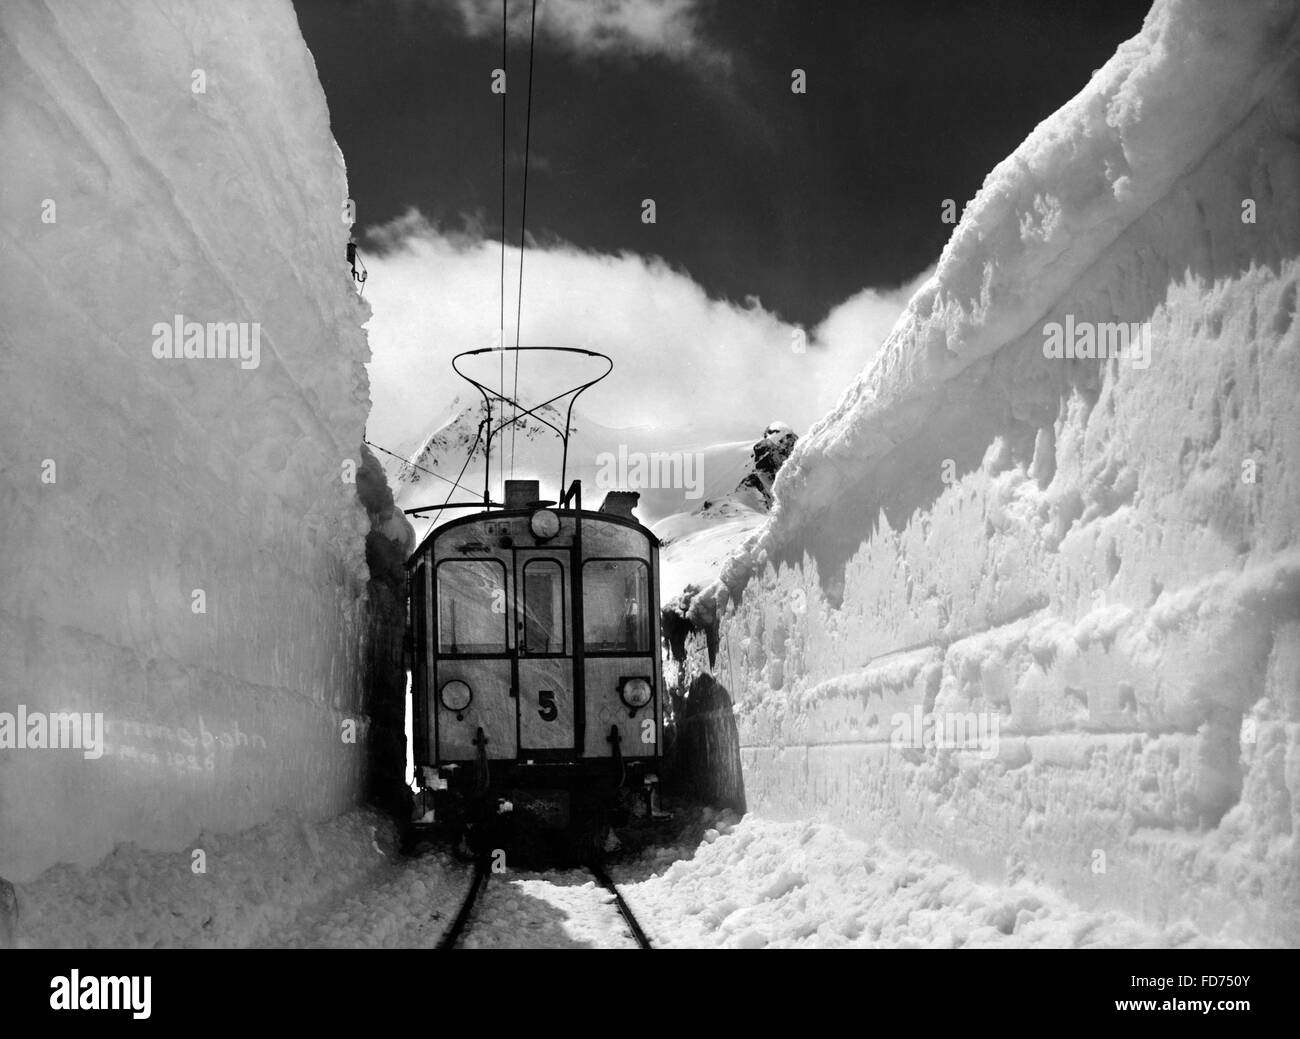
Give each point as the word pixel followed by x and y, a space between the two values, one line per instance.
pixel 616 606
pixel 471 606
pixel 543 607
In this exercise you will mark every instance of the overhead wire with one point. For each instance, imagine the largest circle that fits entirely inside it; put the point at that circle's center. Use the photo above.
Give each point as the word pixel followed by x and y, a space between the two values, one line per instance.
pixel 413 465
pixel 501 317
pixel 465 465
pixel 501 320
pixel 523 223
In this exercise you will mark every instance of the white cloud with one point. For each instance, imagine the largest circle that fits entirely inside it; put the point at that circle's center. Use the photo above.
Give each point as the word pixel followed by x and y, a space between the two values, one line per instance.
pixel 602 27
pixel 865 319
pixel 694 370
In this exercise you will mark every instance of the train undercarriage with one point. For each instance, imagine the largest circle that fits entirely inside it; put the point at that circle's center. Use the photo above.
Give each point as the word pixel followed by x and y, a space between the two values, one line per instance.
pixel 538 812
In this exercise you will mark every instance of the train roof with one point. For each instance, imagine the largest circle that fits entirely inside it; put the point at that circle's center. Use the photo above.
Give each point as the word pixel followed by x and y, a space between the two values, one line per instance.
pixel 497 514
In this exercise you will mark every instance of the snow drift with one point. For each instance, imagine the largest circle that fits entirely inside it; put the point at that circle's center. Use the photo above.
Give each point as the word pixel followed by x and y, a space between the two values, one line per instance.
pixel 1094 557
pixel 184 550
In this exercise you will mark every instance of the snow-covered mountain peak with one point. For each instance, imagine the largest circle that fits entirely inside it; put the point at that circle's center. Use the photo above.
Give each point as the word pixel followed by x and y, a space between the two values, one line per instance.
pixel 696 541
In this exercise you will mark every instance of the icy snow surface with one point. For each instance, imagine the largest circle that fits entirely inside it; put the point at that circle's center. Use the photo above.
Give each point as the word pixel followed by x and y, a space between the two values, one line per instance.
pixel 1099 557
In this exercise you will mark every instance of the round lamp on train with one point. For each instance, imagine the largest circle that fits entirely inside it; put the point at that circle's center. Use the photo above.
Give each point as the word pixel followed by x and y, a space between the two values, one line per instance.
pixel 544 524
pixel 455 695
pixel 635 692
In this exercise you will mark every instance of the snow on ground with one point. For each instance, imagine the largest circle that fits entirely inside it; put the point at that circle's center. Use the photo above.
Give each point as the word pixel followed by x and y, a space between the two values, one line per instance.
pixel 713 882
pixel 405 904
pixel 564 909
pixel 252 883
pixel 761 884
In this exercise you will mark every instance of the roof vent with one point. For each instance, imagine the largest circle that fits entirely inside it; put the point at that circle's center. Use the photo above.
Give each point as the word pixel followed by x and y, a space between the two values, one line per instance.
pixel 621 503
pixel 522 493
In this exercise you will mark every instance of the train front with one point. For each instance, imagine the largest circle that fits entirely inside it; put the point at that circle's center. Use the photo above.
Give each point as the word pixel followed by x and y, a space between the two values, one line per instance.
pixel 536 678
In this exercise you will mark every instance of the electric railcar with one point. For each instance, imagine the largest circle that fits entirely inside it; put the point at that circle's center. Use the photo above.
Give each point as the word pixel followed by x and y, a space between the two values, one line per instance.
pixel 536 668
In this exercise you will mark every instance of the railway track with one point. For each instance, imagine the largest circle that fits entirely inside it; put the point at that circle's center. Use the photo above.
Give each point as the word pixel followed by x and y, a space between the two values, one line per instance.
pixel 457 927
pixel 462 925
pixel 602 878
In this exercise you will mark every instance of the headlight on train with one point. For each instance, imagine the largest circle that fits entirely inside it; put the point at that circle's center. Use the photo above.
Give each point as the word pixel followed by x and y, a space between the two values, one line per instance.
pixel 455 695
pixel 635 692
pixel 544 524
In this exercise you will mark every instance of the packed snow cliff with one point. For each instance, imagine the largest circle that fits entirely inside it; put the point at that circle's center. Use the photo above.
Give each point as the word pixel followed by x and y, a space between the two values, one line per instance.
pixel 184 563
pixel 1056 519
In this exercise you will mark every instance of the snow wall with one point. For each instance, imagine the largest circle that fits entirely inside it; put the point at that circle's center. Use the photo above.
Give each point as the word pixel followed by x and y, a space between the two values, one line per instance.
pixel 1094 562
pixel 184 549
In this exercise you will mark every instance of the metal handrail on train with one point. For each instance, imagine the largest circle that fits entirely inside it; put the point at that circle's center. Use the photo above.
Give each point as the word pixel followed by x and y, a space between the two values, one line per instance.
pixel 489 395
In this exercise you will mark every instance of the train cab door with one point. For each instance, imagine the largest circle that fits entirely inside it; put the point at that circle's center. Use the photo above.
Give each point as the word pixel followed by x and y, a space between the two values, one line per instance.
pixel 544 641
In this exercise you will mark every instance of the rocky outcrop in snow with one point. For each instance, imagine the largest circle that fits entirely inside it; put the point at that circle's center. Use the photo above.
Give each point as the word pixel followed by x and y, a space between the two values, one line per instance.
pixel 770 453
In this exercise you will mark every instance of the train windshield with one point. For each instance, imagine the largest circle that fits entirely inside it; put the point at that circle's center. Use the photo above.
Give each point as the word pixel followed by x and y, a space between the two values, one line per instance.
pixel 543 607
pixel 616 606
pixel 471 606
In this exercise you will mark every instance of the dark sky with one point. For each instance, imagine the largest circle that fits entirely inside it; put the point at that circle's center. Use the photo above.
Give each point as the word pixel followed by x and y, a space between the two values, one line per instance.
pixel 800 200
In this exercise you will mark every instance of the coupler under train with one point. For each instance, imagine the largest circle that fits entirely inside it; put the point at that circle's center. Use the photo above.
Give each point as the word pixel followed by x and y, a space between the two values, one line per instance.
pixel 529 811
